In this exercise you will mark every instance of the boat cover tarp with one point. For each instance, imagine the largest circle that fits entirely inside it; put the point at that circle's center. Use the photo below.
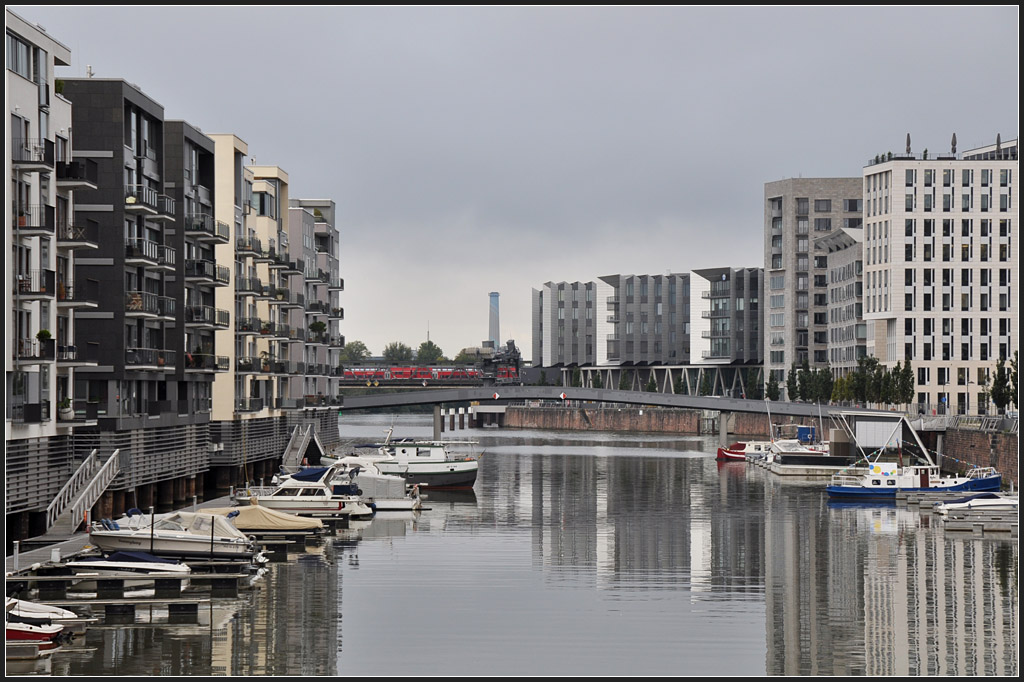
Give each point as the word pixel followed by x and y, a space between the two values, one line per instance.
pixel 311 475
pixel 257 518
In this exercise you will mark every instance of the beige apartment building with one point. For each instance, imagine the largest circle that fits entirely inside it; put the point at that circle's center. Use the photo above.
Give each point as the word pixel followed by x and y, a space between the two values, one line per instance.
pixel 940 252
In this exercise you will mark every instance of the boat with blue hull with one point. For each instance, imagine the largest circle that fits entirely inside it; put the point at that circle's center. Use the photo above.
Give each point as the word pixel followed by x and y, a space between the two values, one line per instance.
pixel 900 463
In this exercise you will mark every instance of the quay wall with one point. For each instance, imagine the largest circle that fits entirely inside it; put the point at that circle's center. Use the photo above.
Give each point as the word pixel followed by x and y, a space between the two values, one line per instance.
pixel 961 448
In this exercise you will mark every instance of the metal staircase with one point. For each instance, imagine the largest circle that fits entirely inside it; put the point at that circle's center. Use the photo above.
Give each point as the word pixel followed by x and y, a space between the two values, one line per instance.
pixel 80 493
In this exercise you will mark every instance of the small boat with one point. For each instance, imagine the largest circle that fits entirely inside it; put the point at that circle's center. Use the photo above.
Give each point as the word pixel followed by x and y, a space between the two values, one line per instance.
pixel 261 520
pixel 424 462
pixel 307 493
pixel 126 565
pixel 33 613
pixel 739 452
pixel 901 463
pixel 180 534
pixel 988 501
pixel 382 492
pixel 44 636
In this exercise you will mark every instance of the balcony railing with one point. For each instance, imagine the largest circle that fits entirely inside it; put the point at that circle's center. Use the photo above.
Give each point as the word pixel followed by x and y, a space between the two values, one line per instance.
pixel 70 292
pixel 77 236
pixel 166 205
pixel 37 219
pixel 207 269
pixel 142 249
pixel 336 283
pixel 206 315
pixel 141 196
pixel 206 362
pixel 35 283
pixel 248 325
pixel 149 357
pixel 36 349
pixel 249 404
pixel 28 151
pixel 78 173
pixel 28 413
pixel 249 285
pixel 249 245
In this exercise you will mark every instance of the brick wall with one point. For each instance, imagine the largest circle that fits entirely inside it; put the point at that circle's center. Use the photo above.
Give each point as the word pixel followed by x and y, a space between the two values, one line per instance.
pixel 652 420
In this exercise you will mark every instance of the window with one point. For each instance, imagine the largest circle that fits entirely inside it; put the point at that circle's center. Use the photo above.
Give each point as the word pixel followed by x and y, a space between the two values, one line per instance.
pixel 852 205
pixel 18 56
pixel 822 224
pixel 822 205
pixel 801 206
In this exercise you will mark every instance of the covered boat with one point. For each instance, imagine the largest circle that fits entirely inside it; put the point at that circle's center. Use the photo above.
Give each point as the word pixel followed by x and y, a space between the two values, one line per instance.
pixel 255 518
pixel 988 501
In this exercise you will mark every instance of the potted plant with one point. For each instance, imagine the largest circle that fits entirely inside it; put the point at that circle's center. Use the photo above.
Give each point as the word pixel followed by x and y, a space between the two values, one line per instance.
pixel 265 360
pixel 43 335
pixel 64 410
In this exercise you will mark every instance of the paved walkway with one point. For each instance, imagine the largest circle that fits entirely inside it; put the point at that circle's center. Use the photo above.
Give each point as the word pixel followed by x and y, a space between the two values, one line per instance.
pixel 78 541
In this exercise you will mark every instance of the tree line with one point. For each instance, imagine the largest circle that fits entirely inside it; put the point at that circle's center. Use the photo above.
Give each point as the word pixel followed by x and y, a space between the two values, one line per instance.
pixel 398 353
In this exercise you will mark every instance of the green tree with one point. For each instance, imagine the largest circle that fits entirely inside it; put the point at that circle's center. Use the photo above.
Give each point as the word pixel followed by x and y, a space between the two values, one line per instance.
pixel 907 382
pixel 651 386
pixel 577 378
pixel 772 391
pixel 354 351
pixel 466 357
pixel 624 382
pixel 753 390
pixel 705 384
pixel 1000 390
pixel 1013 379
pixel 823 383
pixel 596 381
pixel 679 387
pixel 838 386
pixel 792 392
pixel 397 353
pixel 804 383
pixel 429 353
pixel 543 381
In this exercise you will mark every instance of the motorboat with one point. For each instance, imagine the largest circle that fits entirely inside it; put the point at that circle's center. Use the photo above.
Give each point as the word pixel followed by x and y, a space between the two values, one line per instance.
pixel 741 451
pixel 44 636
pixel 432 463
pixel 133 567
pixel 901 463
pixel 987 501
pixel 33 613
pixel 308 492
pixel 382 492
pixel 179 534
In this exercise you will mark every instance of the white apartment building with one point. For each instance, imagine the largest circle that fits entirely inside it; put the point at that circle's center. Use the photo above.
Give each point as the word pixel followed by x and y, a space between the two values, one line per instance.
pixel 940 252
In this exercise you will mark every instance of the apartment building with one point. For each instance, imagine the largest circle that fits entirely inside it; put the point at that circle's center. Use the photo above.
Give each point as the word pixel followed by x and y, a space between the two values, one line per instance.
pixel 726 315
pixel 797 212
pixel 847 332
pixel 44 239
pixel 941 246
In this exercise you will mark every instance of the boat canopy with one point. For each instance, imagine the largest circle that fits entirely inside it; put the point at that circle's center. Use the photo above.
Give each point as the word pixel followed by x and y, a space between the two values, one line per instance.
pixel 259 518
pixel 311 475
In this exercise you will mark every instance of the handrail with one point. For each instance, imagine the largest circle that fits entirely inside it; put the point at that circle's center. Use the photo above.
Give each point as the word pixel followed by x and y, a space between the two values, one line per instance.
pixel 86 471
pixel 107 473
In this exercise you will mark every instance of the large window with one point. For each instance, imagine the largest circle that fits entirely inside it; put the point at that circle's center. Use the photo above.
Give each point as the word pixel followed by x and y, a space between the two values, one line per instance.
pixel 18 56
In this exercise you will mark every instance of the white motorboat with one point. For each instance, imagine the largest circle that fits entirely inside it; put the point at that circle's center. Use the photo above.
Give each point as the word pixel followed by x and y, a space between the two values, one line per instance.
pixel 308 492
pixel 33 613
pixel 133 567
pixel 382 492
pixel 180 534
pixel 989 501
pixel 432 463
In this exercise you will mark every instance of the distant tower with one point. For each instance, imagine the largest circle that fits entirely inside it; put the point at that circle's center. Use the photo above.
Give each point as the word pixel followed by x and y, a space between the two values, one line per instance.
pixel 493 331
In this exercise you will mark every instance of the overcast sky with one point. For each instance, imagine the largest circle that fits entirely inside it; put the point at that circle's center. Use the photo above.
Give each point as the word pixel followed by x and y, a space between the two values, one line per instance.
pixel 486 149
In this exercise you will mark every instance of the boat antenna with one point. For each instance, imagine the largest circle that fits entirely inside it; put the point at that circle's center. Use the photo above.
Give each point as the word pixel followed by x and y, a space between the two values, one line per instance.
pixel 771 429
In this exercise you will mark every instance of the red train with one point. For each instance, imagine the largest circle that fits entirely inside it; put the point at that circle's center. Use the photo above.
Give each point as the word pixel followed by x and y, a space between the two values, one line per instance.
pixel 502 373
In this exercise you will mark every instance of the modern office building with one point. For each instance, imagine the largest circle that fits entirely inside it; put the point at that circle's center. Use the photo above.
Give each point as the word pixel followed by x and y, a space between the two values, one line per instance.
pixel 726 317
pixel 847 331
pixel 797 211
pixel 941 246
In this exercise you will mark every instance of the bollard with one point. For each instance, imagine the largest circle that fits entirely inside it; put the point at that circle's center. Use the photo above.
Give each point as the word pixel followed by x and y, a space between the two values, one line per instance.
pixel 17 549
pixel 55 555
pixel 195 501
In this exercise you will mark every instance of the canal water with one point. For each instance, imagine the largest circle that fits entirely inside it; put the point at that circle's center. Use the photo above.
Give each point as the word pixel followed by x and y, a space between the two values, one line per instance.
pixel 601 554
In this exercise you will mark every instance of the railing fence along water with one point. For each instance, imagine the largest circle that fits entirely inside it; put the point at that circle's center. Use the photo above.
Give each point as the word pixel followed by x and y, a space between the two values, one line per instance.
pixel 83 489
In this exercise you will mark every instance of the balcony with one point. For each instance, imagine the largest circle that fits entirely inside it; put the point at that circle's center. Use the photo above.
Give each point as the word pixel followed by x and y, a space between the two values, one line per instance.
pixel 78 295
pixel 34 351
pixel 277 295
pixel 35 221
pixel 77 236
pixel 141 252
pixel 20 412
pixel 336 314
pixel 249 404
pixel 72 175
pixel 165 207
pixel 200 362
pixel 336 284
pixel 293 268
pixel 35 285
pixel 297 335
pixel 149 358
pixel 146 304
pixel 32 154
pixel 166 257
pixel 317 308
pixel 317 338
pixel 337 341
pixel 248 325
pixel 141 199
pixel 248 286
pixel 203 227
pixel 199 270
pixel 249 246
pixel 203 316
pixel 295 300
pixel 71 356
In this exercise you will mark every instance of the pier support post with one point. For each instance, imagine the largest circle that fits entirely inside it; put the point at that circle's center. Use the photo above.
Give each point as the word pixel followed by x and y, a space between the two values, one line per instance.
pixel 451 419
pixel 462 418
pixel 438 422
pixel 723 429
pixel 164 496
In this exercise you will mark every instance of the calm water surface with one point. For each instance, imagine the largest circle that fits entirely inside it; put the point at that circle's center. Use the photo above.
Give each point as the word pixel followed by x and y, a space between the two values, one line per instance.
pixel 602 554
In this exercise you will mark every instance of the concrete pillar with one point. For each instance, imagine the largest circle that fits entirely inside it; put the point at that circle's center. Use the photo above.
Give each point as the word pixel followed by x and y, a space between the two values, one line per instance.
pixel 723 429
pixel 200 488
pixel 164 496
pixel 144 496
pixel 462 418
pixel 119 507
pixel 451 419
pixel 438 422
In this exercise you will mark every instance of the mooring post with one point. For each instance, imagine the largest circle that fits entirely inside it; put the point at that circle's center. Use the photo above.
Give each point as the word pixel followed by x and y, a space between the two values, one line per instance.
pixel 723 429
pixel 438 422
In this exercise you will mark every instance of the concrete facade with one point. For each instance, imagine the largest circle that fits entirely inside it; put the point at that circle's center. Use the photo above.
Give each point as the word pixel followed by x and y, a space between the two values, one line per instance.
pixel 847 332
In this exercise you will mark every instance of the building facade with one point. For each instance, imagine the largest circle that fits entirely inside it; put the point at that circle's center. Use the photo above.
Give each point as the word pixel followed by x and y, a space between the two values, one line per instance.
pixel 847 332
pixel 940 252
pixel 797 211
